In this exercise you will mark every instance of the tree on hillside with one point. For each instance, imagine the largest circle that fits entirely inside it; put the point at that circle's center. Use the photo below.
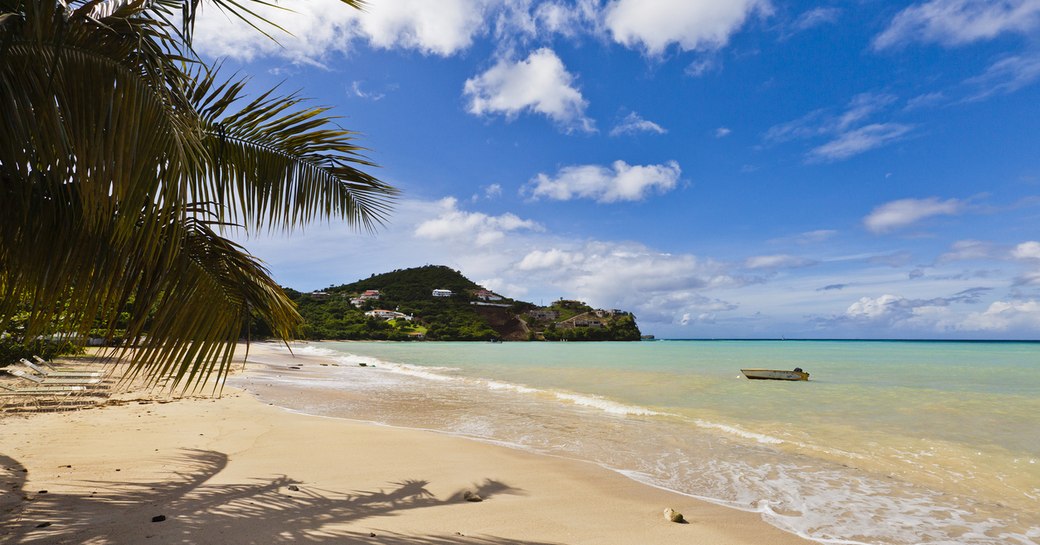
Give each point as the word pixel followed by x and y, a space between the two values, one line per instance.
pixel 124 156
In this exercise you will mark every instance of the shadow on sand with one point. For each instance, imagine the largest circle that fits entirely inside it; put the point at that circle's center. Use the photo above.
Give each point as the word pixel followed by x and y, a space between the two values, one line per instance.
pixel 261 511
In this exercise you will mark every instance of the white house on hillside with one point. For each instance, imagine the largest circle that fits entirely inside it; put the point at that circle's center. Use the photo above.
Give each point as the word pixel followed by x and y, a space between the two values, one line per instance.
pixel 486 295
pixel 368 295
pixel 442 293
pixel 387 314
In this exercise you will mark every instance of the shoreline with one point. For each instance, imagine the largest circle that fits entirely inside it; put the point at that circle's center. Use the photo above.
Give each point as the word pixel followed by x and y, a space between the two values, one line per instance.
pixel 220 471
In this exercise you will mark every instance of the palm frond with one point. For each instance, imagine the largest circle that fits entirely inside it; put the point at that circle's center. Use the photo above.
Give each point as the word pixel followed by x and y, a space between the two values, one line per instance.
pixel 120 154
pixel 277 164
pixel 201 304
pixel 245 11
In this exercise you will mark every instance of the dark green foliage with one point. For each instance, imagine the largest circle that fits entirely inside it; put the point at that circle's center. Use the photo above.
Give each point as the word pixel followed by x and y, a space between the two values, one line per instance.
pixel 12 350
pixel 413 284
pixel 410 291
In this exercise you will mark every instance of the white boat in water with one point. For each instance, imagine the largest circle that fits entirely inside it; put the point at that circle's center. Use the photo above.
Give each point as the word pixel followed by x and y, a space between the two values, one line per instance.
pixel 775 374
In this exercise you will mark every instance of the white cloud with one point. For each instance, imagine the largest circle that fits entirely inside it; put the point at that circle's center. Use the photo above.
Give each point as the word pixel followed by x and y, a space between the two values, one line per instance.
pixel 475 227
pixel 540 84
pixel 314 29
pixel 871 308
pixel 814 237
pixel 1005 315
pixel 898 214
pixel 861 107
pixel 620 182
pixel 567 19
pixel 355 87
pixel 778 261
pixel 493 191
pixel 633 123
pixel 848 135
pixel 702 66
pixel 1005 76
pixel 816 17
pixel 657 287
pixel 890 312
pixel 859 140
pixel 1027 250
pixel 926 100
pixel 968 250
pixel 1029 278
pixel 654 25
pixel 443 28
pixel 319 27
pixel 958 22
pixel 723 132
pixel 548 259
pixel 517 23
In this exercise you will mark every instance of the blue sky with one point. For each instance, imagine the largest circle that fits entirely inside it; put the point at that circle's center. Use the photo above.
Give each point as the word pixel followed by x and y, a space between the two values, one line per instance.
pixel 722 168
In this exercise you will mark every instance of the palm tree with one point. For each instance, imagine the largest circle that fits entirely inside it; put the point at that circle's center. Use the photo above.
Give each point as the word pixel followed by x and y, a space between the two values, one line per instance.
pixel 123 159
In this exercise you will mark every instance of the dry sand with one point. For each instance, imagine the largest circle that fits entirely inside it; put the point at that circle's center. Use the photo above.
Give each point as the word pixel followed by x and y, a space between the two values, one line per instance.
pixel 236 470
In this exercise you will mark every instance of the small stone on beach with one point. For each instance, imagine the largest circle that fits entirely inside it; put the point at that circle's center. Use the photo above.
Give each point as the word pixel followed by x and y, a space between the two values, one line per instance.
pixel 671 515
pixel 471 496
pixel 362 365
pixel 158 518
pixel 294 488
pixel 43 525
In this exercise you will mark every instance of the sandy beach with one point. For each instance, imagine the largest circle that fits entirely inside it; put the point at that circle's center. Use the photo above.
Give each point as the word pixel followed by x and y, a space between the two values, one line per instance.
pixel 236 470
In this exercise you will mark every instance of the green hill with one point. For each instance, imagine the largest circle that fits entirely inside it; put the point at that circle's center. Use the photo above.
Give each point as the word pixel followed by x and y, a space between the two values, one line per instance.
pixel 410 284
pixel 401 305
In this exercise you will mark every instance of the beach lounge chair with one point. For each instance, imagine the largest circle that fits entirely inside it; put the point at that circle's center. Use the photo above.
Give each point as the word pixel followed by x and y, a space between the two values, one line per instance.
pixel 56 373
pixel 49 390
pixel 56 381
pixel 39 397
pixel 50 366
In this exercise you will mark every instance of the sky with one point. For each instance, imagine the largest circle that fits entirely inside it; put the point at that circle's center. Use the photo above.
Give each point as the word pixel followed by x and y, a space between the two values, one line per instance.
pixel 720 168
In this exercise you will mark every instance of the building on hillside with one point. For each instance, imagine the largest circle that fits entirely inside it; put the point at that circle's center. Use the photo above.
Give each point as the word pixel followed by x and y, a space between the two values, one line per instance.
pixel 442 293
pixel 485 295
pixel 388 314
pixel 543 314
pixel 319 295
pixel 368 295
pixel 588 319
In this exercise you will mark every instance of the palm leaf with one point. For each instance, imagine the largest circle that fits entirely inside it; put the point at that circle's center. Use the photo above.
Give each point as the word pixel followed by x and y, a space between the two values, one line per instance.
pixel 278 165
pixel 120 155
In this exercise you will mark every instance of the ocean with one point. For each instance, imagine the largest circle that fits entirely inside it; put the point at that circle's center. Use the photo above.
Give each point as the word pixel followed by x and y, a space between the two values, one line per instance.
pixel 888 443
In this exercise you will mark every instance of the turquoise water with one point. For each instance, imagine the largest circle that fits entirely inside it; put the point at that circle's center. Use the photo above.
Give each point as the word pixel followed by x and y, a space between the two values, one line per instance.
pixel 888 443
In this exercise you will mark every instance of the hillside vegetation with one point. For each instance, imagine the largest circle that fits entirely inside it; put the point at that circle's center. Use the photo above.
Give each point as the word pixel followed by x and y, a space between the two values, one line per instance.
pixel 406 309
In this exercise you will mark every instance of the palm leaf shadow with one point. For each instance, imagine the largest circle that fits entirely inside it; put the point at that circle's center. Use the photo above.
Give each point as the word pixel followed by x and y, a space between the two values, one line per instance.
pixel 98 511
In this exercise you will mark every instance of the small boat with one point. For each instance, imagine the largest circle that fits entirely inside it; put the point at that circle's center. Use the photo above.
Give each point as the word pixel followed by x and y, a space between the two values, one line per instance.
pixel 775 374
